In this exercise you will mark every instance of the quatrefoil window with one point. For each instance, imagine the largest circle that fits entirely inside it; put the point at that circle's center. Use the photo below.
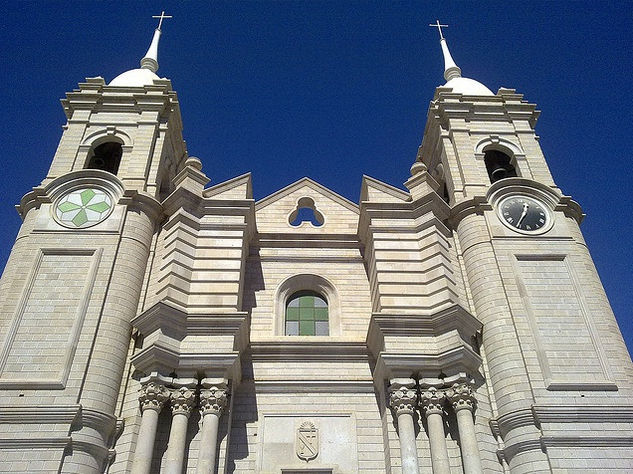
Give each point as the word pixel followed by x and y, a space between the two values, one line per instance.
pixel 305 211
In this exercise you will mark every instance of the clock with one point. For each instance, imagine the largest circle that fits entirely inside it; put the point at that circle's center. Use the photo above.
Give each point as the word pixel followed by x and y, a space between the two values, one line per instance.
pixel 524 214
pixel 83 207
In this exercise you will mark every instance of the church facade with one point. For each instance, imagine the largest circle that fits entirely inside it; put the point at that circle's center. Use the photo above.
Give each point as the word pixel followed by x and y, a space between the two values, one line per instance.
pixel 150 323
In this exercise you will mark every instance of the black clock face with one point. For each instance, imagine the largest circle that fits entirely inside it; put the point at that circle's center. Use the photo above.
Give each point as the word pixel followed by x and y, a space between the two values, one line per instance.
pixel 524 213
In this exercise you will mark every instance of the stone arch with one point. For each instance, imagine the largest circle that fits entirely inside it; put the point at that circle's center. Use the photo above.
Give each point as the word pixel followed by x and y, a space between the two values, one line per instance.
pixel 494 142
pixel 310 282
pixel 500 156
pixel 95 142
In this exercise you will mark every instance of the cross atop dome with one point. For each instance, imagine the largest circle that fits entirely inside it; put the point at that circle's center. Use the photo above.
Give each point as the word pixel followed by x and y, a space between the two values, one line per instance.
pixel 439 27
pixel 452 72
pixel 150 60
pixel 451 69
pixel 162 16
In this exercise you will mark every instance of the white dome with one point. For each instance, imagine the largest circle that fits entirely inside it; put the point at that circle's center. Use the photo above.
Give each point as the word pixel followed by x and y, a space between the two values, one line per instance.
pixel 134 78
pixel 463 85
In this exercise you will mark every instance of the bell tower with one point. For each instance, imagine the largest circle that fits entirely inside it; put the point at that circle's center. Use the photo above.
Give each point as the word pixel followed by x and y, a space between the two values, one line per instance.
pixel 76 271
pixel 550 344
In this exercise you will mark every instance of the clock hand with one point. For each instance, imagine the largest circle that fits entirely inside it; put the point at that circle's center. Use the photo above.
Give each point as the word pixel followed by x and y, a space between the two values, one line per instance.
pixel 523 214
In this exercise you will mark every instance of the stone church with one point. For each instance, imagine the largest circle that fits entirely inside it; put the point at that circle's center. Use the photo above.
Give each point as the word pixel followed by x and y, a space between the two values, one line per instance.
pixel 150 323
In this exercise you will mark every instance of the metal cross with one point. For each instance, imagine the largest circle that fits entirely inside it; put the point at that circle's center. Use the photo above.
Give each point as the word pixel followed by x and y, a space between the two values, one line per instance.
pixel 439 27
pixel 163 16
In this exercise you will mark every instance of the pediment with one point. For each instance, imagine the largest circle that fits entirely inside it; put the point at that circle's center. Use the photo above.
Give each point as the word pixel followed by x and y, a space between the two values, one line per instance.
pixel 339 215
pixel 376 191
pixel 239 187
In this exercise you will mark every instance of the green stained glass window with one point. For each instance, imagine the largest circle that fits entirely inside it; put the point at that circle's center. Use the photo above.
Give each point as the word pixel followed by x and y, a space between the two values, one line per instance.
pixel 307 315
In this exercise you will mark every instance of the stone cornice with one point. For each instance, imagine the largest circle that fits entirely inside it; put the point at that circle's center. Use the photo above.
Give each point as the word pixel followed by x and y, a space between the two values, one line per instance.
pixel 314 386
pixel 35 443
pixel 501 188
pixel 48 193
pixel 177 323
pixel 94 95
pixel 165 360
pixel 410 212
pixel 144 203
pixel 583 414
pixel 406 325
pixel 452 361
pixel 511 421
pixel 59 414
pixel 505 105
pixel 323 350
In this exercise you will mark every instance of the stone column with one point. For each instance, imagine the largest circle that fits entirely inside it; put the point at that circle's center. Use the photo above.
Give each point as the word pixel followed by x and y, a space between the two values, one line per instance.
pixel 152 397
pixel 182 401
pixel 463 401
pixel 213 400
pixel 402 399
pixel 432 403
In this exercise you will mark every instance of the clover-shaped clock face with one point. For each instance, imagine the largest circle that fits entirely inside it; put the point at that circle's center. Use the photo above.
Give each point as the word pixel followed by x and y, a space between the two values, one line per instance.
pixel 83 208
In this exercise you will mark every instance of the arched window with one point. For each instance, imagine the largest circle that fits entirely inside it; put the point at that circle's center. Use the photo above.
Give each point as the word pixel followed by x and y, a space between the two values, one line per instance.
pixel 498 165
pixel 106 157
pixel 307 314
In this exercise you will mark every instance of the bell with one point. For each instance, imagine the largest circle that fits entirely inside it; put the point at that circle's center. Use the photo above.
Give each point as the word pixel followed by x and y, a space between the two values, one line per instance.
pixel 498 173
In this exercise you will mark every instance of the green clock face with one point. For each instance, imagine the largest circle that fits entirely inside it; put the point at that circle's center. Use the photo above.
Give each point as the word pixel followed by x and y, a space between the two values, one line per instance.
pixel 524 213
pixel 83 208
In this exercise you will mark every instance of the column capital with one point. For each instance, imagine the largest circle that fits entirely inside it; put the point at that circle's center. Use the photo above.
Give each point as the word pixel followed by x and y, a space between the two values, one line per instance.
pixel 432 401
pixel 182 400
pixel 403 397
pixel 152 396
pixel 213 399
pixel 461 397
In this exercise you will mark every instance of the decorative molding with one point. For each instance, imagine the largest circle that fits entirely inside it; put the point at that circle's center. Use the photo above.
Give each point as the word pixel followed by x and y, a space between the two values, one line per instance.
pixel 453 318
pixel 38 414
pixel 36 443
pixel 451 362
pixel 314 386
pixel 288 348
pixel 583 413
pixel 306 182
pixel 587 441
pixel 506 454
pixel 58 383
pixel 306 281
pixel 67 182
pixel 511 421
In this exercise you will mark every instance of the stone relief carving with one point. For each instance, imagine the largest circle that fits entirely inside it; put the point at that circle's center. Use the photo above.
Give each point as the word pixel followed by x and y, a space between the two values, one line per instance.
pixel 307 441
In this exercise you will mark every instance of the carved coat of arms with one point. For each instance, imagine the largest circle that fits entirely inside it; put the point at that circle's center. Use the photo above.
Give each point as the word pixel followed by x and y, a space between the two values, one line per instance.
pixel 307 444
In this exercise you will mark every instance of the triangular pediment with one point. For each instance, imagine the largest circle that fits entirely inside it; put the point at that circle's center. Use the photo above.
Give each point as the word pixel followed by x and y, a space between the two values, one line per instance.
pixel 239 187
pixel 376 191
pixel 338 214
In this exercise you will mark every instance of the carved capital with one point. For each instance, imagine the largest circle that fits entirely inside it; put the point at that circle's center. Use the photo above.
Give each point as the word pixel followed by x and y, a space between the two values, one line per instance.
pixel 403 399
pixel 461 397
pixel 213 400
pixel 182 401
pixel 432 401
pixel 152 396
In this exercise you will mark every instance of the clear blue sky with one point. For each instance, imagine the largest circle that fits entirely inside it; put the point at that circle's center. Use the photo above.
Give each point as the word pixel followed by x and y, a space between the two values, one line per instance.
pixel 333 90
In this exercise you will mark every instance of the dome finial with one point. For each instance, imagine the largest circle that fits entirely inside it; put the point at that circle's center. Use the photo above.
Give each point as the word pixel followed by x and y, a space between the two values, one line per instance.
pixel 451 70
pixel 150 60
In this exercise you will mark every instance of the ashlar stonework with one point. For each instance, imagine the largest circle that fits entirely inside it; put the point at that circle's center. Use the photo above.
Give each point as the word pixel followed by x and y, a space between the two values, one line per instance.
pixel 151 323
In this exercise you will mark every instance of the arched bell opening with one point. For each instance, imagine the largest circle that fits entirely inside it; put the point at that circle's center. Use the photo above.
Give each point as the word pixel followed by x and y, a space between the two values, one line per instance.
pixel 106 157
pixel 499 165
